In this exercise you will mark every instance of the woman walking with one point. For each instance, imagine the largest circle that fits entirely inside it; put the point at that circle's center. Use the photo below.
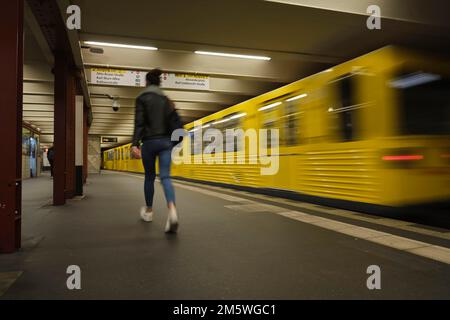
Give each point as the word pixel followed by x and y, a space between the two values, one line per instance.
pixel 152 127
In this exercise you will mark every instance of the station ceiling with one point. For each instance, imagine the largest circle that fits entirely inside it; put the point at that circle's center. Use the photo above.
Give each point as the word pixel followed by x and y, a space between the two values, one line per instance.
pixel 300 36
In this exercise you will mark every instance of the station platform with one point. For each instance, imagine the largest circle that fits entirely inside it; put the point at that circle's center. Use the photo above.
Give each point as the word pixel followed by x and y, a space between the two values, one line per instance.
pixel 230 245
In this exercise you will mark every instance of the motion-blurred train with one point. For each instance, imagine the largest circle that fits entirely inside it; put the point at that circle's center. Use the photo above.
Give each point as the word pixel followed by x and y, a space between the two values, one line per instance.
pixel 368 134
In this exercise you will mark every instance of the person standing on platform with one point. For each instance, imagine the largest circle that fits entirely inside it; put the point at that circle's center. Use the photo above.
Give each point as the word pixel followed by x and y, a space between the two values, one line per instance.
pixel 51 158
pixel 154 116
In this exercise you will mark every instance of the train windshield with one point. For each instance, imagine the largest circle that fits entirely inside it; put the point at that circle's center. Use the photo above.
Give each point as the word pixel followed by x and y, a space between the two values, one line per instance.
pixel 424 103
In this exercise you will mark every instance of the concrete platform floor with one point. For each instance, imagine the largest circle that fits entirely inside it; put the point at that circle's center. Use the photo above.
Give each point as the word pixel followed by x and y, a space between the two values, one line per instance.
pixel 227 247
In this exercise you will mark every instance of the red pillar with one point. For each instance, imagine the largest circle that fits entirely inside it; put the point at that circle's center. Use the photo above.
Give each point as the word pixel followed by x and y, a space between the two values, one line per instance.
pixel 11 82
pixel 64 167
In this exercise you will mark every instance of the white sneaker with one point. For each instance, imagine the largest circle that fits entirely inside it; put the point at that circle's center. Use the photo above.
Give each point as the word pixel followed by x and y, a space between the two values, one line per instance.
pixel 172 221
pixel 146 216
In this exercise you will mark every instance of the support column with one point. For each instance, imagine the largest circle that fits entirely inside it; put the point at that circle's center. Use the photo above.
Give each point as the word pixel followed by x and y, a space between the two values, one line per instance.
pixel 79 146
pixel 64 127
pixel 59 169
pixel 11 82
pixel 85 143
pixel 70 135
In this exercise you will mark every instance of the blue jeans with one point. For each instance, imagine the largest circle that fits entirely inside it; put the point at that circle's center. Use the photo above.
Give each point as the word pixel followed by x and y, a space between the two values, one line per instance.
pixel 162 148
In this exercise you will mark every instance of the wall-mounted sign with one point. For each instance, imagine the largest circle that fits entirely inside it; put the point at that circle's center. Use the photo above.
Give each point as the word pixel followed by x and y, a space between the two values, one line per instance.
pixel 184 81
pixel 131 78
pixel 116 77
pixel 109 140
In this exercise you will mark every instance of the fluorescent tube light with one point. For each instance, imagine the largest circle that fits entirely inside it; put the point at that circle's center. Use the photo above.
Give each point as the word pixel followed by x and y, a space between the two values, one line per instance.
pixel 232 55
pixel 297 97
pixel 220 121
pixel 119 45
pixel 273 105
pixel 236 116
pixel 414 79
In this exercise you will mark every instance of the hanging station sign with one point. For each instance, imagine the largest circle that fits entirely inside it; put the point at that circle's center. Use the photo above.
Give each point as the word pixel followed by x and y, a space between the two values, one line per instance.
pixel 184 81
pixel 116 77
pixel 131 78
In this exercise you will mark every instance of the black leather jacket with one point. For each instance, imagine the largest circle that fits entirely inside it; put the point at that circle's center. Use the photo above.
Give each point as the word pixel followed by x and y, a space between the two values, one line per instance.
pixel 152 111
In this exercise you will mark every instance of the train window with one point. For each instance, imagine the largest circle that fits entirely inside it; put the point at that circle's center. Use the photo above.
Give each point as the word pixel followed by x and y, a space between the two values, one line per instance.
pixel 345 108
pixel 231 142
pixel 424 103
pixel 208 140
pixel 269 121
pixel 196 145
pixel 290 123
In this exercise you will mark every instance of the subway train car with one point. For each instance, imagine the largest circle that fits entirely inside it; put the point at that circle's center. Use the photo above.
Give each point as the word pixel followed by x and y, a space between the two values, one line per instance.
pixel 371 133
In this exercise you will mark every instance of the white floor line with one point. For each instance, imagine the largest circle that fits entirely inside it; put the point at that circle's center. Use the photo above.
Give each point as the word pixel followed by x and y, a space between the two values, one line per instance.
pixel 419 248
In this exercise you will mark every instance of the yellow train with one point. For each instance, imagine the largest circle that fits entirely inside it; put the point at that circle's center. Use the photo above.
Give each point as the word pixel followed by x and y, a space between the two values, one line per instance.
pixel 371 132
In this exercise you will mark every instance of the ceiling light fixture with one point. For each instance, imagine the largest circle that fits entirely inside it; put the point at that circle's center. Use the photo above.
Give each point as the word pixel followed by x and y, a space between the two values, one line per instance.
pixel 232 55
pixel 119 45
